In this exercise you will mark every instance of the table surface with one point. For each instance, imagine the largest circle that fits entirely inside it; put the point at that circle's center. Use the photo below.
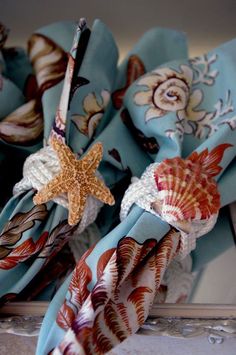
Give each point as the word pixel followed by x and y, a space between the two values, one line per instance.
pixel 135 345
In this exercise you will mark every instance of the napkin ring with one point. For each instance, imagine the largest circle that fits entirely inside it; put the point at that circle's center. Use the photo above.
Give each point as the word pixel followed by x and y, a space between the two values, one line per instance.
pixel 48 169
pixel 182 192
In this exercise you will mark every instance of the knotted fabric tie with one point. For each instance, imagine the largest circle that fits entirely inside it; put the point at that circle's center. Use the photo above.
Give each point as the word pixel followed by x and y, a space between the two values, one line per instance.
pixel 182 192
pixel 41 167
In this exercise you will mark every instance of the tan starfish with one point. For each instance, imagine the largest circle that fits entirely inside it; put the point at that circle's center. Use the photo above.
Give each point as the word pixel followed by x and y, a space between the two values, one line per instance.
pixel 77 179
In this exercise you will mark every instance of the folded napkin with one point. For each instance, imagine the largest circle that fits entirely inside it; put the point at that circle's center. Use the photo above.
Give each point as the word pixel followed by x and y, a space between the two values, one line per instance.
pixel 188 108
pixel 27 80
pixel 19 220
pixel 31 236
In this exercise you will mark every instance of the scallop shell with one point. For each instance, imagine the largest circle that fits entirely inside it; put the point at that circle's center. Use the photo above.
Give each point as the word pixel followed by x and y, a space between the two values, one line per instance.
pixel 186 192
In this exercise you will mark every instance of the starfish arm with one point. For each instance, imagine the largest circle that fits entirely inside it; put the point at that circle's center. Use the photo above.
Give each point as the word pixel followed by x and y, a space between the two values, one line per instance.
pixel 92 159
pixel 55 187
pixel 77 200
pixel 65 155
pixel 98 189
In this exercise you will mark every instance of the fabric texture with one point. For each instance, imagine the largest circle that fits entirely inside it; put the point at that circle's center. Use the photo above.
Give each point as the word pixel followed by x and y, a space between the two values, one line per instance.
pixel 43 230
pixel 186 108
pixel 158 107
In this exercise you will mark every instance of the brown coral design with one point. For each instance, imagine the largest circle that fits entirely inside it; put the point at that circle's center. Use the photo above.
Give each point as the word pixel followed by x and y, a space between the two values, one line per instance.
pixel 78 291
pixel 117 306
pixel 18 224
pixel 58 237
pixel 22 252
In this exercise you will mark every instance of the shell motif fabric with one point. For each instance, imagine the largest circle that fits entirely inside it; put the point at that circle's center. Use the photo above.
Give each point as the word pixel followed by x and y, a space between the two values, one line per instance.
pixel 94 111
pixel 33 238
pixel 157 106
pixel 187 107
pixel 168 90
pixel 26 77
pixel 43 68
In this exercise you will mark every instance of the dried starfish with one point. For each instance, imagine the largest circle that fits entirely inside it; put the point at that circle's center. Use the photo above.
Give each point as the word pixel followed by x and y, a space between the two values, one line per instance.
pixel 77 179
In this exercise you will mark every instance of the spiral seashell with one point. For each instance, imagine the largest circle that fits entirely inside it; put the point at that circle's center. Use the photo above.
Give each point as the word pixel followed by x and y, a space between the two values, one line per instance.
pixel 187 190
pixel 49 61
pixel 168 91
pixel 171 95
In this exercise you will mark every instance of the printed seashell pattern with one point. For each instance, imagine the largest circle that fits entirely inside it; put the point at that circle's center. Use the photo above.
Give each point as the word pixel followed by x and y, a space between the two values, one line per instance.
pixel 187 189
pixel 94 109
pixel 168 91
pixel 24 126
pixel 49 61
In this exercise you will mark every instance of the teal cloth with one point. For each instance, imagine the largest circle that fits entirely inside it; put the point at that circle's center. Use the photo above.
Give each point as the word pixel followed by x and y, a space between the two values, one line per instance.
pixel 99 68
pixel 19 85
pixel 131 142
pixel 218 91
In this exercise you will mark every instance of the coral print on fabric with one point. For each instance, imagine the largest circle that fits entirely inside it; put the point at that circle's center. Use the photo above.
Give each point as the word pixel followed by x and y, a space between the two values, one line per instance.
pixel 12 233
pixel 58 237
pixel 177 194
pixel 128 278
pixel 166 90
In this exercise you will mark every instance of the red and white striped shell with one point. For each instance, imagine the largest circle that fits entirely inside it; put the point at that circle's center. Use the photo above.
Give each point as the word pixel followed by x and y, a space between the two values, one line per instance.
pixel 186 187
